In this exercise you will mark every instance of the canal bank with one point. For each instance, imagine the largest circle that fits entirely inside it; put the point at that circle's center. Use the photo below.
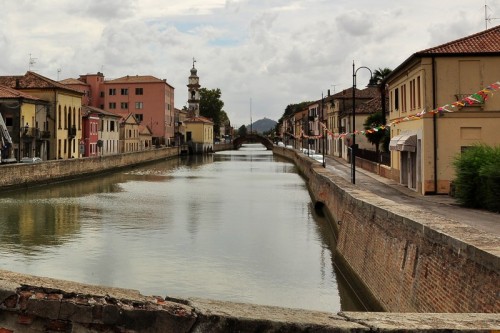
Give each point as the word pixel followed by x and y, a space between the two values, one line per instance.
pixel 408 258
pixel 15 176
pixel 36 304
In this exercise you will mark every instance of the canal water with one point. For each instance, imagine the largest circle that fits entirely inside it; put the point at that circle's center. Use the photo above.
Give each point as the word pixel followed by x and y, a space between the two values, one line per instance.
pixel 235 225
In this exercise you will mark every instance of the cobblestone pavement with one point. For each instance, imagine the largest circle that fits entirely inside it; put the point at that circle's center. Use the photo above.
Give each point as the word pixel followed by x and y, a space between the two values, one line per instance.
pixel 442 205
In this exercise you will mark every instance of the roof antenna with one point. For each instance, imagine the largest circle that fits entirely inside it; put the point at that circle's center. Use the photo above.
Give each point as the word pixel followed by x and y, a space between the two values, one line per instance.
pixel 31 62
pixel 488 18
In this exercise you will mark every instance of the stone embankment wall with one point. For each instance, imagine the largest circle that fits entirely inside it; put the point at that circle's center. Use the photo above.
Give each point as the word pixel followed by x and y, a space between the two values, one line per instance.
pixel 21 175
pixel 37 304
pixel 407 258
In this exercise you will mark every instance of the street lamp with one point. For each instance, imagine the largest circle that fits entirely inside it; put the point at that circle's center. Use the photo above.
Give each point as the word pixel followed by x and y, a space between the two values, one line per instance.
pixel 353 146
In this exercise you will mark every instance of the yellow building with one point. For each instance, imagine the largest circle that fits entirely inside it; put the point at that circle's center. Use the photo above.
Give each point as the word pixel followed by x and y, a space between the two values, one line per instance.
pixel 199 134
pixel 428 125
pixel 63 121
pixel 129 135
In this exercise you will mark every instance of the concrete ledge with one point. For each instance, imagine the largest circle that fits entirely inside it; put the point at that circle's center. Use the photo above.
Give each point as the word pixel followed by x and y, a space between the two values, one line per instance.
pixel 37 304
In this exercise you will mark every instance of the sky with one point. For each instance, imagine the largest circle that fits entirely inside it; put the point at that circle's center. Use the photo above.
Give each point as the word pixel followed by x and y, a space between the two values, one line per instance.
pixel 262 54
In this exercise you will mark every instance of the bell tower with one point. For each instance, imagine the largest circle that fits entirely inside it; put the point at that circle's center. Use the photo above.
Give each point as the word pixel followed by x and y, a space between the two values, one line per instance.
pixel 193 93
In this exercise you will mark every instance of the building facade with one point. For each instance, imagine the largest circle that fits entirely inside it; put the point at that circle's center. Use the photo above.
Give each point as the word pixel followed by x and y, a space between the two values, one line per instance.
pixel 430 123
pixel 63 119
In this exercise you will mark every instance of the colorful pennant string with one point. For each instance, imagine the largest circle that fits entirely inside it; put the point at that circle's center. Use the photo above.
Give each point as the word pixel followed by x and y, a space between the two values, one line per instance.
pixel 478 98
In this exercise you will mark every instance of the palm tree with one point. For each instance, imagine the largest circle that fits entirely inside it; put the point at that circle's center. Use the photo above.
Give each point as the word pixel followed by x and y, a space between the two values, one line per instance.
pixel 381 73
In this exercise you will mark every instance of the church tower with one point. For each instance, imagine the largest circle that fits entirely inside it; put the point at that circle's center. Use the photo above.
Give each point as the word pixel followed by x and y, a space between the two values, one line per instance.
pixel 193 93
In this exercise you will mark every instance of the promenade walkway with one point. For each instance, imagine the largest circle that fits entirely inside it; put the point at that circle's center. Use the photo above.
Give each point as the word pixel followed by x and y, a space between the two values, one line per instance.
pixel 440 205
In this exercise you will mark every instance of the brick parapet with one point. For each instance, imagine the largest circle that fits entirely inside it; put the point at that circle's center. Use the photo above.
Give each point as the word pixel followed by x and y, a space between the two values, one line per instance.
pixel 410 260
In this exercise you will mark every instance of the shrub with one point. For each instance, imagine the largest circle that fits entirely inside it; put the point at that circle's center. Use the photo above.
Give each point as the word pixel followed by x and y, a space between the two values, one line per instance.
pixel 477 183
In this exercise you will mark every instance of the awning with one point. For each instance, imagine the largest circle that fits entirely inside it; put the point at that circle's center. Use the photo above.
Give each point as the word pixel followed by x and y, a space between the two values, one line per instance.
pixel 393 144
pixel 407 143
pixel 403 143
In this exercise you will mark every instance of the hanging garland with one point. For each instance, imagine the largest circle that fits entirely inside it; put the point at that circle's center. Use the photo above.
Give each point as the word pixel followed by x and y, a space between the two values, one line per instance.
pixel 477 98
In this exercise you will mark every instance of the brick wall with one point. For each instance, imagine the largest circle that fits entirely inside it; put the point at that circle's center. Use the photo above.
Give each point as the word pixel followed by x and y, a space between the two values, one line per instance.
pixel 408 259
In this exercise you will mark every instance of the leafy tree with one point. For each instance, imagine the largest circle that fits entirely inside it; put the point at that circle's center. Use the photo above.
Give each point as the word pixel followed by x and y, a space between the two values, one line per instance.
pixel 375 120
pixel 477 182
pixel 211 107
pixel 242 131
pixel 381 73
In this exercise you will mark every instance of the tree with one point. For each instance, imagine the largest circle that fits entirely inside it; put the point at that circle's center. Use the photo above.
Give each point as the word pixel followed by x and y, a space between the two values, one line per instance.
pixel 381 73
pixel 211 107
pixel 373 121
pixel 242 131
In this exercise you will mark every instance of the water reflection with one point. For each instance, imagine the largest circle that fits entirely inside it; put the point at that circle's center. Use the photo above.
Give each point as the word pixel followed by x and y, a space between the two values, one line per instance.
pixel 234 225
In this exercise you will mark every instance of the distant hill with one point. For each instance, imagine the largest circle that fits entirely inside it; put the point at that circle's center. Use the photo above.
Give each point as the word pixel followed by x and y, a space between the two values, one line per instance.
pixel 262 125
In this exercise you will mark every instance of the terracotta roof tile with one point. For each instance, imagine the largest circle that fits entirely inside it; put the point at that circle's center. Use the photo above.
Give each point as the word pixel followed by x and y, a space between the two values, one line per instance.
pixel 487 41
pixel 71 81
pixel 32 80
pixel 7 92
pixel 372 106
pixel 199 119
pixel 86 110
pixel 136 79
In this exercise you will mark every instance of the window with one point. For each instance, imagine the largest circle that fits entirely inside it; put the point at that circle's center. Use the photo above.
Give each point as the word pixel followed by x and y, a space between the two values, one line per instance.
pixel 139 105
pixel 112 126
pixel 112 105
pixel 403 98
pixel 139 91
pixel 112 91
pixel 124 105
pixel 419 102
pixel 102 94
pixel 396 99
pixel 139 117
pixel 124 91
pixel 9 121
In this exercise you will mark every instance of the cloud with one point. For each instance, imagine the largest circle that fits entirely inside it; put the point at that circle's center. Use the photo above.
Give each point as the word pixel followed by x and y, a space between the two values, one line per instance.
pixel 276 52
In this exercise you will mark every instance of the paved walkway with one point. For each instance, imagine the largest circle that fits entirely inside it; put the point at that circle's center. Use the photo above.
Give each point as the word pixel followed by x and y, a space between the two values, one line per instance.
pixel 442 205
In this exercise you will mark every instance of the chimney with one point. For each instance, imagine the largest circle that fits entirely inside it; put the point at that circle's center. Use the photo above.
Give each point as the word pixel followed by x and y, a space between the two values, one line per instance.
pixel 17 84
pixel 328 92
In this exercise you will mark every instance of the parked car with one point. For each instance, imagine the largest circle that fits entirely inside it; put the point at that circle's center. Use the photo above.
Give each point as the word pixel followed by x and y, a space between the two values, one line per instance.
pixel 30 160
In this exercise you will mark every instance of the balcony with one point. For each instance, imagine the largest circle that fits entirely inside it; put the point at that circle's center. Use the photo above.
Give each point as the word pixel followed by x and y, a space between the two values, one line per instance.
pixel 28 133
pixel 43 135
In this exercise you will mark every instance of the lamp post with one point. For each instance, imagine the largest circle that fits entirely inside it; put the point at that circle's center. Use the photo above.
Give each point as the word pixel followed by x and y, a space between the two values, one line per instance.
pixel 353 146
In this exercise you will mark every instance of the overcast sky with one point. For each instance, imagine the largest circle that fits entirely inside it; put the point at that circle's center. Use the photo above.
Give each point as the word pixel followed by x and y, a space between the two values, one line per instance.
pixel 270 52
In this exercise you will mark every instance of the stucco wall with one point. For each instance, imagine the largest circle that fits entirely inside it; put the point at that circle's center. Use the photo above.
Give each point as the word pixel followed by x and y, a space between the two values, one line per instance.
pixel 408 259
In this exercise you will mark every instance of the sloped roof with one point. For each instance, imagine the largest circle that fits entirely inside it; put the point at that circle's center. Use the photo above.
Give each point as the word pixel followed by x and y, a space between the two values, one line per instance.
pixel 372 106
pixel 7 92
pixel 72 81
pixel 484 42
pixel 368 92
pixel 86 110
pixel 136 79
pixel 144 130
pixel 199 119
pixel 32 80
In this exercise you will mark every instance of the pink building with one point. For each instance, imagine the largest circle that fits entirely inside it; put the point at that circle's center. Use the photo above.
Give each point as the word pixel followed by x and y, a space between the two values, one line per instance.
pixel 149 99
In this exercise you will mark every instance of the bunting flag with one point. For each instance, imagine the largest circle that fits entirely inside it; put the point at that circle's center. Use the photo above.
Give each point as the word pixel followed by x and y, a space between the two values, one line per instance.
pixel 478 98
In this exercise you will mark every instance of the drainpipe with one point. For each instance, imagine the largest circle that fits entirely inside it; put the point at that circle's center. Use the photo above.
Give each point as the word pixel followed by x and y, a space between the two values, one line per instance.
pixel 434 123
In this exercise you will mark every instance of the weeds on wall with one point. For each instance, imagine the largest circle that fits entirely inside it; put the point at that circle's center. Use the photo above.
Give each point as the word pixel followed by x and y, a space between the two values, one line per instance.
pixel 477 183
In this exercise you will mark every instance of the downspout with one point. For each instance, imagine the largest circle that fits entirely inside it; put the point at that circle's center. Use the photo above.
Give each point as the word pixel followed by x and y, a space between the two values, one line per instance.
pixel 434 123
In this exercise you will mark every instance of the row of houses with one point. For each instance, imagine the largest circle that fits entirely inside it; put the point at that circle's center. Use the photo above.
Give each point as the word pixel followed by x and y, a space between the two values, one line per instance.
pixel 91 116
pixel 436 106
